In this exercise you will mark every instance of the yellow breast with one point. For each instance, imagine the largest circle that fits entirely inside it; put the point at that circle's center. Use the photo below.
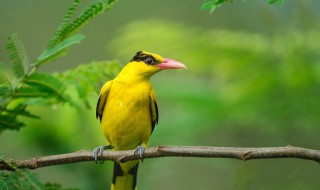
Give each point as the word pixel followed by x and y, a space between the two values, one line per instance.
pixel 126 120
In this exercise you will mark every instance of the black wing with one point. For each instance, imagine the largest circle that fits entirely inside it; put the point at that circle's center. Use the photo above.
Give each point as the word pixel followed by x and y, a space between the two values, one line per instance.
pixel 153 110
pixel 104 92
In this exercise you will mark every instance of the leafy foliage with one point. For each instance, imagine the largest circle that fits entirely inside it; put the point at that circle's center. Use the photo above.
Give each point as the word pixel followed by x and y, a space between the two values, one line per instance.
pixel 84 78
pixel 212 5
pixel 23 179
pixel 53 52
pixel 64 24
pixel 55 186
pixel 48 83
pixel 280 2
pixel 21 84
pixel 18 179
pixel 68 27
pixel 18 56
pixel 7 82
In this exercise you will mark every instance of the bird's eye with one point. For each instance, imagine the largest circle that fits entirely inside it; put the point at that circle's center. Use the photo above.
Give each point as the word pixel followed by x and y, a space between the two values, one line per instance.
pixel 149 61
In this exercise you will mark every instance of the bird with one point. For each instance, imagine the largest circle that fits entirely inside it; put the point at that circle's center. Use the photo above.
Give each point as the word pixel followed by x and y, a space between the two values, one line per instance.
pixel 128 112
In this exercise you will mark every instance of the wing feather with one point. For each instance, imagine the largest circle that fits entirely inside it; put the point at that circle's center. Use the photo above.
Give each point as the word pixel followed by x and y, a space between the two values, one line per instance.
pixel 103 96
pixel 153 110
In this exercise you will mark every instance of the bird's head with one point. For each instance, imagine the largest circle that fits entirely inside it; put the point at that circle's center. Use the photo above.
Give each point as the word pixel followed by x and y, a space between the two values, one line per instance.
pixel 146 64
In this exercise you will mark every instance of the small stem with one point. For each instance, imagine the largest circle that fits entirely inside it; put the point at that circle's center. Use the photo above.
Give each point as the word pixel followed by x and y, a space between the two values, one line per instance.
pixel 16 90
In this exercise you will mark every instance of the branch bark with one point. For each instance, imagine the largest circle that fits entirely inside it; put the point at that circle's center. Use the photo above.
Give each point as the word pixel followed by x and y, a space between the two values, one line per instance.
pixel 168 151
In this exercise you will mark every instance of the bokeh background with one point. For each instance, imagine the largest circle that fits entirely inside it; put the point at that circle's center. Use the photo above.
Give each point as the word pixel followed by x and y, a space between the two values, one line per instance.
pixel 253 80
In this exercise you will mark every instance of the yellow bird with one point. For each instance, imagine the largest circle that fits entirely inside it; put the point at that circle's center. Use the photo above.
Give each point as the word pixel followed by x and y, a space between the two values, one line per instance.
pixel 128 112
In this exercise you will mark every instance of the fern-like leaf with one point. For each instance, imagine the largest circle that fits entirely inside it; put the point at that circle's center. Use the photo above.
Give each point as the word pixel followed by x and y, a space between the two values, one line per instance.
pixel 17 56
pixel 9 121
pixel 21 178
pixel 29 179
pixel 9 118
pixel 7 84
pixel 85 78
pixel 48 84
pixel 6 77
pixel 66 20
pixel 67 29
pixel 31 92
pixel 280 2
pixel 55 186
pixel 54 52
pixel 25 181
pixel 20 110
pixel 7 181
pixel 51 85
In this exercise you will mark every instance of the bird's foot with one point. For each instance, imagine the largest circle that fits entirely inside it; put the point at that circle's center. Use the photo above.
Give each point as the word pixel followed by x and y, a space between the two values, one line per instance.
pixel 98 152
pixel 139 150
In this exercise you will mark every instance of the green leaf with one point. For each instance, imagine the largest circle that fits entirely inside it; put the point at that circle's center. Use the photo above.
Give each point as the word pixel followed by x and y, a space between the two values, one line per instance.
pixel 48 84
pixel 51 85
pixel 7 84
pixel 18 82
pixel 31 92
pixel 88 14
pixel 4 79
pixel 17 56
pixel 30 179
pixel 207 5
pixel 4 93
pixel 9 122
pixel 280 2
pixel 212 5
pixel 20 110
pixel 7 77
pixel 54 52
pixel 67 28
pixel 19 180
pixel 85 78
pixel 57 36
pixel 7 181
pixel 55 186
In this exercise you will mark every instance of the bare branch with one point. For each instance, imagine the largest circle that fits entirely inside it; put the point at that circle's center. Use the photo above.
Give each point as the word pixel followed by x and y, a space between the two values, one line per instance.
pixel 169 151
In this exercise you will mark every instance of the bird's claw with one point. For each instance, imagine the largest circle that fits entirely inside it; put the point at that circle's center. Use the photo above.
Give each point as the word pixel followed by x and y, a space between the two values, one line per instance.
pixel 139 150
pixel 98 151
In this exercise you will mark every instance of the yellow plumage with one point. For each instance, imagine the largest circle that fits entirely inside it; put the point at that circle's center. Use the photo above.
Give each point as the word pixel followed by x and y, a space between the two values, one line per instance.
pixel 128 112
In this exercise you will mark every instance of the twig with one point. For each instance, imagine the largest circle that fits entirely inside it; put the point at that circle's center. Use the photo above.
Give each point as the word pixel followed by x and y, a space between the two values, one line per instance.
pixel 168 151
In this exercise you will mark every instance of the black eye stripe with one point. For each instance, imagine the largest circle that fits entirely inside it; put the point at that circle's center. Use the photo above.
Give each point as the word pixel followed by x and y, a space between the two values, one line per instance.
pixel 148 59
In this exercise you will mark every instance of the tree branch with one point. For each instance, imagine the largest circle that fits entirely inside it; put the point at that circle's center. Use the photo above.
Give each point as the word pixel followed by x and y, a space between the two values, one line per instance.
pixel 168 151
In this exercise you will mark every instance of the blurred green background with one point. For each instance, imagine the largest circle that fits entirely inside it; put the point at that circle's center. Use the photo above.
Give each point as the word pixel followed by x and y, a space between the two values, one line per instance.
pixel 253 80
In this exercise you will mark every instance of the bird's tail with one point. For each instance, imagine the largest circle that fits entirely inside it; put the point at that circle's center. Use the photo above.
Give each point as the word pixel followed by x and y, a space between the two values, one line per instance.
pixel 125 176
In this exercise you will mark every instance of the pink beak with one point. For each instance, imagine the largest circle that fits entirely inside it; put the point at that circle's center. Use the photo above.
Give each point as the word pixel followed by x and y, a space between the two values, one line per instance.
pixel 171 64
